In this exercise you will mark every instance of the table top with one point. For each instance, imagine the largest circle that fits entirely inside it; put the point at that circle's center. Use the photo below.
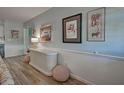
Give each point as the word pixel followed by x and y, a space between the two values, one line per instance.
pixel 45 51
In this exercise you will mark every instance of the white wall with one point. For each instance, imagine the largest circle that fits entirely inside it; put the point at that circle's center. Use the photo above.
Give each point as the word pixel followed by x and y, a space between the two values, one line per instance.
pixel 94 69
pixel 1 31
pixel 26 39
pixel 13 47
pixel 114 25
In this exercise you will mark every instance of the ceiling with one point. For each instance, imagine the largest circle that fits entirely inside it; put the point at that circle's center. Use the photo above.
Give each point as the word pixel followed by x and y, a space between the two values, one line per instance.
pixel 21 14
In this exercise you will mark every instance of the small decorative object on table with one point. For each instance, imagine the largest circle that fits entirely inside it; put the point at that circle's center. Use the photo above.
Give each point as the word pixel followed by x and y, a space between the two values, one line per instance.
pixel 27 57
pixel 34 42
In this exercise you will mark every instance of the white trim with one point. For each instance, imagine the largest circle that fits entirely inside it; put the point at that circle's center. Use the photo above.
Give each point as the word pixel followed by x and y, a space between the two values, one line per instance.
pixel 90 53
pixel 44 51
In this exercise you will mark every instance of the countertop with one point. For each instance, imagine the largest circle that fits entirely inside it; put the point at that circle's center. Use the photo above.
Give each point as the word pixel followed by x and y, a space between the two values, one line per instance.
pixel 44 51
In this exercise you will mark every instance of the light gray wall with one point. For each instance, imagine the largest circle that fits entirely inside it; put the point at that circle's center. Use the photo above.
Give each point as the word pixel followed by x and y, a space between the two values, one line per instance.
pixel 114 34
pixel 92 68
pixel 88 67
pixel 13 47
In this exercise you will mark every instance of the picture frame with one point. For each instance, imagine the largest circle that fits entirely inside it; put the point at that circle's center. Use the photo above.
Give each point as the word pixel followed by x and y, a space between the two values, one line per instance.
pixel 14 34
pixel 45 33
pixel 34 33
pixel 96 25
pixel 72 27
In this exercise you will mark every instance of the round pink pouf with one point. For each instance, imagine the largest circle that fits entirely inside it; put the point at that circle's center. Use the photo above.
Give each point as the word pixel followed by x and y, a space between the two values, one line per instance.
pixel 27 58
pixel 61 73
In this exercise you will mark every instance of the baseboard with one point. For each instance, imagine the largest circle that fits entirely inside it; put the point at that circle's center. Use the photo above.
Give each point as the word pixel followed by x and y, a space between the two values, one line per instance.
pixel 81 79
pixel 14 56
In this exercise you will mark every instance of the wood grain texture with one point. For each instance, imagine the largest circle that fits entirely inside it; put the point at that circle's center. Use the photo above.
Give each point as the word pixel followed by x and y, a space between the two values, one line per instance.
pixel 25 74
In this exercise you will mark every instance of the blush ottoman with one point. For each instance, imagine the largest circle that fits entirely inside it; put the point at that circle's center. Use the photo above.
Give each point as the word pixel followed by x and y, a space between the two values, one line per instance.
pixel 27 58
pixel 61 73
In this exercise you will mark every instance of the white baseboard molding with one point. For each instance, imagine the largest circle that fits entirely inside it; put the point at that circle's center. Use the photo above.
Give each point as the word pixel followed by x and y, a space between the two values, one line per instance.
pixel 14 56
pixel 81 79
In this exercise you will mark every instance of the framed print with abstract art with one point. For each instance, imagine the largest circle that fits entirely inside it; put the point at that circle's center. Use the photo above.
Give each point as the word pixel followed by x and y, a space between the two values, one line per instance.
pixel 72 29
pixel 96 25
pixel 45 33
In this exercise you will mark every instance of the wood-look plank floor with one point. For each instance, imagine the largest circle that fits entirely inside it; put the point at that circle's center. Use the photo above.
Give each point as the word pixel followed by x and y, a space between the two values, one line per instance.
pixel 25 74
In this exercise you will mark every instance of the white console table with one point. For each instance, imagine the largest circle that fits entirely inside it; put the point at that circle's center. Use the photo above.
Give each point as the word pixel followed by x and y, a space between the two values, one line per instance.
pixel 43 60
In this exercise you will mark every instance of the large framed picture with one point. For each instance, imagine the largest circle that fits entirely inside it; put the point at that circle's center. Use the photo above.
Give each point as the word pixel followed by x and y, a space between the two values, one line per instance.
pixel 96 25
pixel 45 33
pixel 72 29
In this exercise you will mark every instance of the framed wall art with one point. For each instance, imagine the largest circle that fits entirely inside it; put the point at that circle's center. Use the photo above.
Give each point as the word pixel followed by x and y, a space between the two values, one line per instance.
pixel 96 25
pixel 45 33
pixel 34 33
pixel 72 27
pixel 14 34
